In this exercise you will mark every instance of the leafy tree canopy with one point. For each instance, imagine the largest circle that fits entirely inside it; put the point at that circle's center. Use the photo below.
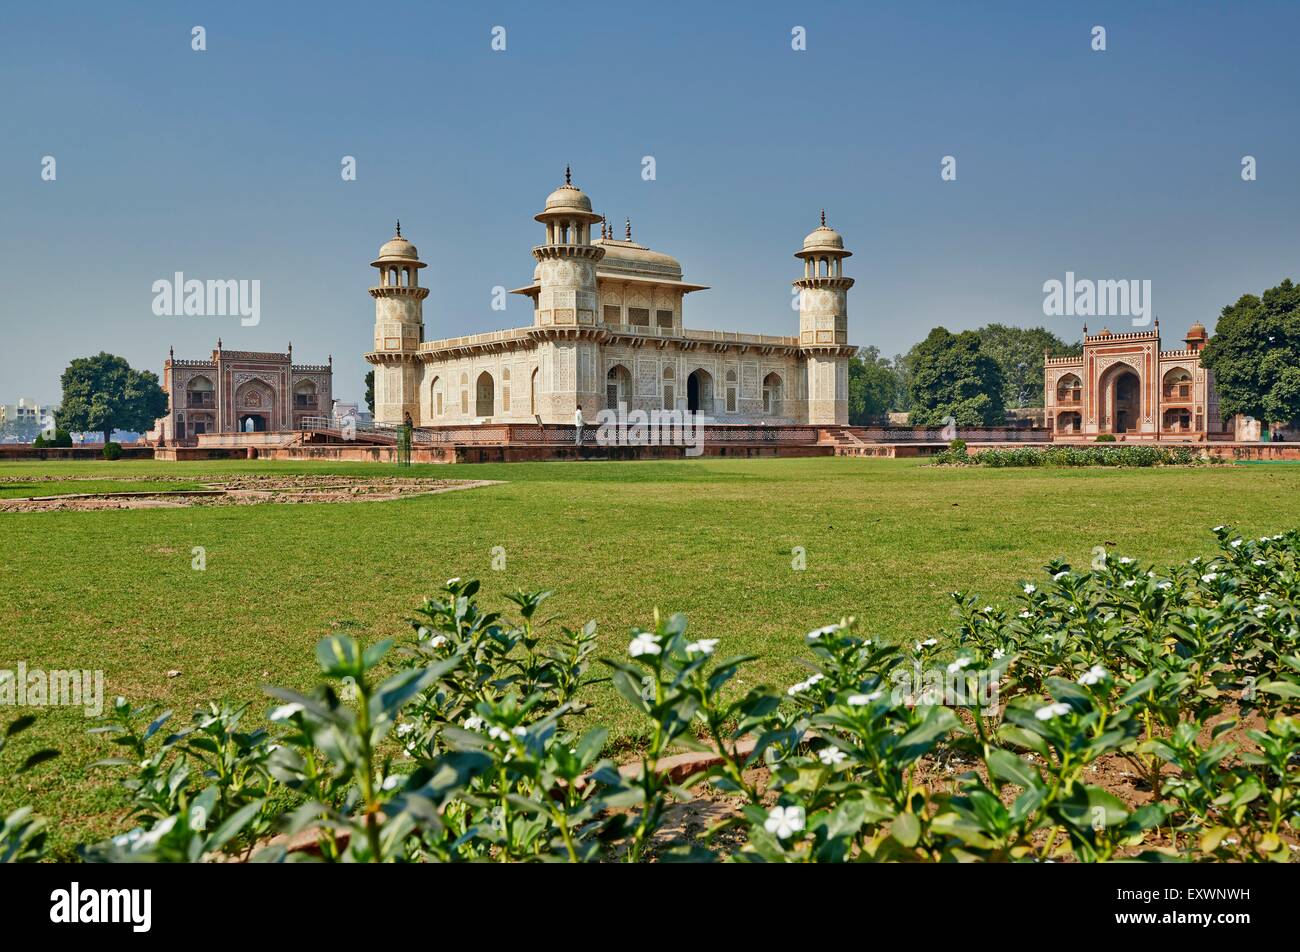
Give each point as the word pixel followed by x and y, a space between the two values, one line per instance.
pixel 103 394
pixel 370 390
pixel 1255 355
pixel 952 376
pixel 873 386
pixel 1019 354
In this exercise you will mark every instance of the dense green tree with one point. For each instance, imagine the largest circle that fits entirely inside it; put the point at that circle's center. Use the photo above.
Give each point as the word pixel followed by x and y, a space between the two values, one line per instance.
pixel 952 376
pixel 1255 355
pixel 1019 354
pixel 370 391
pixel 873 385
pixel 103 393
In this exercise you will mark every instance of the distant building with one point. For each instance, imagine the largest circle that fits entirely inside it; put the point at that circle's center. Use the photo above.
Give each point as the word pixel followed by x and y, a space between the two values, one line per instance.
pixel 1124 384
pixel 242 391
pixel 26 418
pixel 608 330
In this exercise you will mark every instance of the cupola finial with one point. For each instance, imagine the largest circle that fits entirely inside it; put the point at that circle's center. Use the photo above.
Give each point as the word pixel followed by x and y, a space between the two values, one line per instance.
pixel 399 228
pixel 823 218
pixel 627 229
pixel 568 176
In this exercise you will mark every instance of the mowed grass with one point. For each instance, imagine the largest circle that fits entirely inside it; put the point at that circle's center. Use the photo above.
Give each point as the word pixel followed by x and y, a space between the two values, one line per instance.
pixel 885 540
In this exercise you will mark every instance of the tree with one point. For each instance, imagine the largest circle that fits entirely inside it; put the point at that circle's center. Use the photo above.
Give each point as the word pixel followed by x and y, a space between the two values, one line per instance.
pixel 952 376
pixel 873 384
pixel 1019 354
pixel 103 394
pixel 370 391
pixel 1255 355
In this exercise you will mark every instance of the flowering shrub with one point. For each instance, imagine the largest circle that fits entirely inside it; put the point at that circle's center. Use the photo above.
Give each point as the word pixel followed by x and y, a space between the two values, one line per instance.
pixel 470 742
pixel 1062 455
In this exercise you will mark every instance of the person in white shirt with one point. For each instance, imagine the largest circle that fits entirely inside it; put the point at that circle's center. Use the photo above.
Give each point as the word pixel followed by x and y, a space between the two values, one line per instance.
pixel 577 423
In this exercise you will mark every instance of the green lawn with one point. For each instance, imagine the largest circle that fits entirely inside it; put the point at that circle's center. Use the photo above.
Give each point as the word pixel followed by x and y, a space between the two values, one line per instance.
pixel 885 539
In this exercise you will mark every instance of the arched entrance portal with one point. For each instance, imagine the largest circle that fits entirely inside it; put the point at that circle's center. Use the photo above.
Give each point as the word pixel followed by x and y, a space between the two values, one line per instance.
pixel 252 423
pixel 618 387
pixel 1121 394
pixel 485 395
pixel 699 392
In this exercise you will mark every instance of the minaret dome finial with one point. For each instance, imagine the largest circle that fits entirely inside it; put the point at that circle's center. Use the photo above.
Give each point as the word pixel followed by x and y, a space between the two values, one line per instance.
pixel 568 177
pixel 399 228
pixel 823 218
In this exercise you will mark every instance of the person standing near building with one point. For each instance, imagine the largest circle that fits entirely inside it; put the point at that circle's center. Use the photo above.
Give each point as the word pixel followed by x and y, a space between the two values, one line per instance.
pixel 577 426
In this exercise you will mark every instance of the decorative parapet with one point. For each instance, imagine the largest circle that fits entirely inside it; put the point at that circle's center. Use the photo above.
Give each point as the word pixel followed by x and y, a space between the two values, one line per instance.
pixel 1075 361
pixel 1106 336
pixel 1184 354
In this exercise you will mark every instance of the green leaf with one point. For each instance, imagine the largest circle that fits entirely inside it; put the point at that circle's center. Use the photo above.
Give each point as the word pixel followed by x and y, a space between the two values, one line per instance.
pixel 906 828
pixel 339 656
pixel 1005 765
pixel 38 758
pixel 21 724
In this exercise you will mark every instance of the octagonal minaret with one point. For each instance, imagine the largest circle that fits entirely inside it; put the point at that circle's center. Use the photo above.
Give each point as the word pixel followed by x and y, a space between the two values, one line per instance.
pixel 824 324
pixel 566 321
pixel 399 330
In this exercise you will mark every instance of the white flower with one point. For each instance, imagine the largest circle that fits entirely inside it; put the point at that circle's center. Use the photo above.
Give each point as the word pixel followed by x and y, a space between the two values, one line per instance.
pixel 959 664
pixel 285 711
pixel 1218 528
pixel 1125 560
pixel 1235 543
pixel 1129 583
pixel 498 733
pixel 1030 588
pixel 473 723
pixel 1073 609
pixel 825 630
pixel 703 646
pixel 405 728
pixel 453 581
pixel 519 731
pixel 1060 575
pixel 1164 586
pixel 1209 576
pixel 988 608
pixel 832 756
pixel 1195 560
pixel 437 641
pixel 1259 562
pixel 784 821
pixel 814 678
pixel 391 782
pixel 1025 614
pixel 998 654
pixel 862 700
pixel 928 643
pixel 1094 675
pixel 644 643
pixel 794 689
pixel 1052 710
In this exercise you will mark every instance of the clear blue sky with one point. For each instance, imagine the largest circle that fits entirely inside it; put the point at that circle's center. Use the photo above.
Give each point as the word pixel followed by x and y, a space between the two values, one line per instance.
pixel 225 163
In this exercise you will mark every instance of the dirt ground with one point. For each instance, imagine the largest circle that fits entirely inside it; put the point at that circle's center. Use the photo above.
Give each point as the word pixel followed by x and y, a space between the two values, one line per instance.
pixel 238 491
